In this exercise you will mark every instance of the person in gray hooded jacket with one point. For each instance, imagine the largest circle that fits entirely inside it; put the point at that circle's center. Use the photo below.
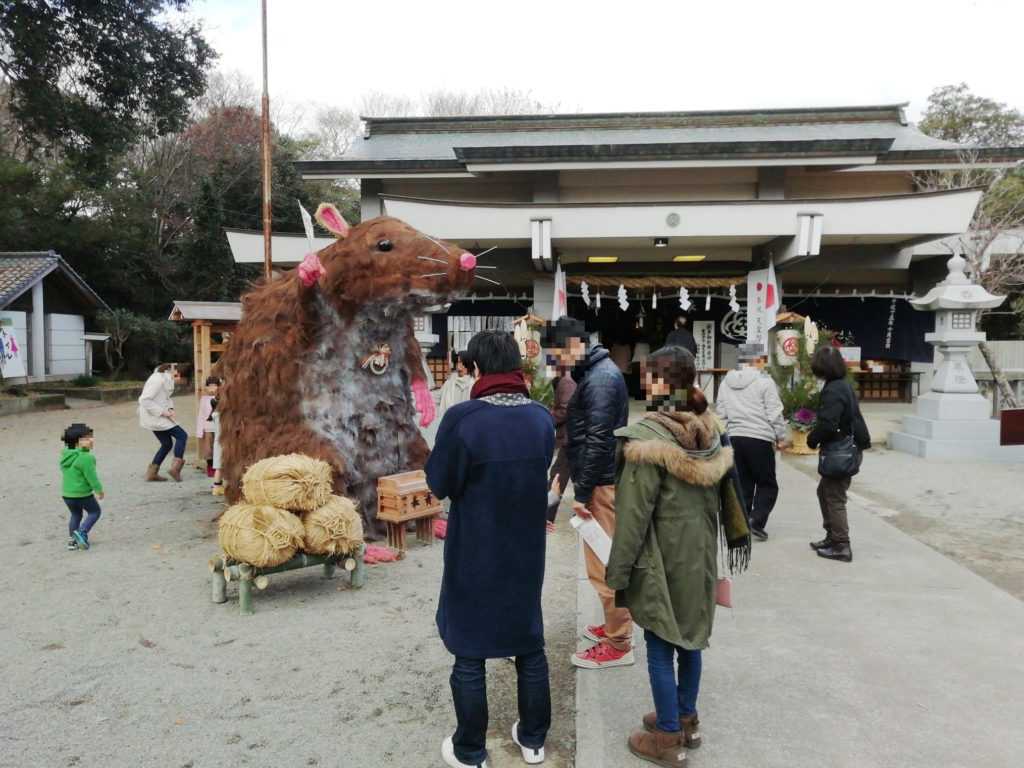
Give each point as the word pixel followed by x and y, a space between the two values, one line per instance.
pixel 749 407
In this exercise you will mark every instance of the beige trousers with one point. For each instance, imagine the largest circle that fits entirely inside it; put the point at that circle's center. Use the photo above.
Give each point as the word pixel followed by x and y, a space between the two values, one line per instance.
pixel 618 622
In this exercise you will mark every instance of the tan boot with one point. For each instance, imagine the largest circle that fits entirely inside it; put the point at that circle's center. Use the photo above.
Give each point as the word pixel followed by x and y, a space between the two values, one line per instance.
pixel 152 476
pixel 175 470
pixel 658 747
pixel 691 730
pixel 689 723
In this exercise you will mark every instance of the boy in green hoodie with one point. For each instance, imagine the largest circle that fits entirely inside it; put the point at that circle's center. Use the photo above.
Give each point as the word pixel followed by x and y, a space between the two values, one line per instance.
pixel 78 466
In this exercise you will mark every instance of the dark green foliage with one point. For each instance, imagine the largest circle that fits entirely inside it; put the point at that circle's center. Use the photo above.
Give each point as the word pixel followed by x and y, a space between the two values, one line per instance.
pixel 955 114
pixel 120 324
pixel 85 380
pixel 90 77
pixel 155 342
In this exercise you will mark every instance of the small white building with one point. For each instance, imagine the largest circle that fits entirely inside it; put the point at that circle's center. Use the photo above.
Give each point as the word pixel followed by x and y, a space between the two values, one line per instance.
pixel 50 311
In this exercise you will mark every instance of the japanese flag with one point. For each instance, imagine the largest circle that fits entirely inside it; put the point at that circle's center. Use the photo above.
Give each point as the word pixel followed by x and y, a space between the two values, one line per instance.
pixel 558 306
pixel 772 299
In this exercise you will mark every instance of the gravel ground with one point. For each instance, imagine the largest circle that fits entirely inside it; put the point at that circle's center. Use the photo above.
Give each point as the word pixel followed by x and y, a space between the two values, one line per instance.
pixel 118 657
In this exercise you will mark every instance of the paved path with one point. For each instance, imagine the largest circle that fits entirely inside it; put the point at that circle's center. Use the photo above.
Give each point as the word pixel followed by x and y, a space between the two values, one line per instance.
pixel 902 658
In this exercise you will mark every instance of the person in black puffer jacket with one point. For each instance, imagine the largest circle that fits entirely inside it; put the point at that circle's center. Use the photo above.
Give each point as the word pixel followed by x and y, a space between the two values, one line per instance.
pixel 598 407
pixel 838 415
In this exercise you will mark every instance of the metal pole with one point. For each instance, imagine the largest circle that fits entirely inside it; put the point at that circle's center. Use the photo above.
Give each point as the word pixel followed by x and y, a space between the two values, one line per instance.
pixel 265 154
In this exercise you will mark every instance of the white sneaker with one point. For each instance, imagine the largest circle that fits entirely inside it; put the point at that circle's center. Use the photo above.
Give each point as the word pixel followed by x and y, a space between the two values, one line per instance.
pixel 448 753
pixel 530 755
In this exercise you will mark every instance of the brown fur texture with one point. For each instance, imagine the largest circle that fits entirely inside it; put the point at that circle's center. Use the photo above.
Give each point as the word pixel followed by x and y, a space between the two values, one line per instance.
pixel 293 380
pixel 693 432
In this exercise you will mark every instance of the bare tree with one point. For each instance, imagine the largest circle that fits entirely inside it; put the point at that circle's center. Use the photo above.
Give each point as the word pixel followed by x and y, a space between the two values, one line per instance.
pixel 492 101
pixel 226 88
pixel 381 104
pixel 509 101
pixel 331 134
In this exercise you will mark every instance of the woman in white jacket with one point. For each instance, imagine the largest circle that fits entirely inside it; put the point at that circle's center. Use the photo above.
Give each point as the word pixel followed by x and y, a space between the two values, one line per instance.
pixel 748 405
pixel 457 387
pixel 156 412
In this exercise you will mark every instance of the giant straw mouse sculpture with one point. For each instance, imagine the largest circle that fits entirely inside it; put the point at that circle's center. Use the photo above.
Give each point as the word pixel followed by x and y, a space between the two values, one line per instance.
pixel 324 361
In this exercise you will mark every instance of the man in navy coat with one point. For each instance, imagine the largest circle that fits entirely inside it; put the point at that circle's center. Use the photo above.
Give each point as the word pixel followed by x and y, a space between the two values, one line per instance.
pixel 490 459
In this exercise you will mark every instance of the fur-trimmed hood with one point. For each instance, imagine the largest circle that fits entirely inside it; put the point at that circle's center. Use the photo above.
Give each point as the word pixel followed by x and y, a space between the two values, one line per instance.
pixel 647 442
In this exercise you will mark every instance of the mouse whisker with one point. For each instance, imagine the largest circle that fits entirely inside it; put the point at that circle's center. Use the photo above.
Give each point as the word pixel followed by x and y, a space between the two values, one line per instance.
pixel 430 258
pixel 438 243
pixel 481 277
pixel 434 274
pixel 478 255
pixel 482 266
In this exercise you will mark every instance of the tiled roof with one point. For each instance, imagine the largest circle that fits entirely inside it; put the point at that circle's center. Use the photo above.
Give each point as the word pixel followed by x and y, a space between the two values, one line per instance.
pixel 441 145
pixel 19 271
pixel 436 139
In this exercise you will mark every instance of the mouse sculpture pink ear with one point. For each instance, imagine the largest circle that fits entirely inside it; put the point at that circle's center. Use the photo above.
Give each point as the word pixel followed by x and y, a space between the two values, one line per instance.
pixel 330 218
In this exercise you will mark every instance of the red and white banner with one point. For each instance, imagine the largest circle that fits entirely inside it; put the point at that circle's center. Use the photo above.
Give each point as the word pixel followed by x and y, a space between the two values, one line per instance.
pixel 559 303
pixel 763 302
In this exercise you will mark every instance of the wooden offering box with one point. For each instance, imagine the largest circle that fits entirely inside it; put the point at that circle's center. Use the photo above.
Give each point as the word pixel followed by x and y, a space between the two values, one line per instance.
pixel 404 498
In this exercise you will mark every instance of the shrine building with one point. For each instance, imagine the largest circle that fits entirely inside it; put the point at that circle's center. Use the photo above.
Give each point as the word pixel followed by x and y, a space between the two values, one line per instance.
pixel 653 202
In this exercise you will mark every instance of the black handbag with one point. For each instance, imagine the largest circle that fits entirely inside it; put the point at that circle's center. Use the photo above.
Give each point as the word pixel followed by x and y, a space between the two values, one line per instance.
pixel 840 458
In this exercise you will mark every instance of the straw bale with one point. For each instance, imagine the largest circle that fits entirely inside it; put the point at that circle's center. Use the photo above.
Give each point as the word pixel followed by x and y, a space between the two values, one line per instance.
pixel 259 534
pixel 333 529
pixel 293 481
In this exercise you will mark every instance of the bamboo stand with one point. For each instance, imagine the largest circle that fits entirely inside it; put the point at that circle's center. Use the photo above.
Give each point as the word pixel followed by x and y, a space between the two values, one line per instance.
pixel 224 569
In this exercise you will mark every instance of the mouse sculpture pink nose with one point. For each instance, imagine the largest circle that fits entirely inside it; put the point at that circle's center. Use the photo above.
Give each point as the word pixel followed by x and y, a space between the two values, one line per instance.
pixel 467 261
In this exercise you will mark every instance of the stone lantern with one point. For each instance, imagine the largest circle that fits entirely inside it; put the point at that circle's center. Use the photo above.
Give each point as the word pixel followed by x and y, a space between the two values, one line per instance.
pixel 956 302
pixel 952 419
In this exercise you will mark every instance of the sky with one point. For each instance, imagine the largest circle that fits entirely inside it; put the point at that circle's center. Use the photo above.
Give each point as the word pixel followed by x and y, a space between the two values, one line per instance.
pixel 645 55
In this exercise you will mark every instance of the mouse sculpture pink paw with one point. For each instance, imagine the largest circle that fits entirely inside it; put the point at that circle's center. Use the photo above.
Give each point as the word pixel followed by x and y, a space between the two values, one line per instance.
pixel 424 402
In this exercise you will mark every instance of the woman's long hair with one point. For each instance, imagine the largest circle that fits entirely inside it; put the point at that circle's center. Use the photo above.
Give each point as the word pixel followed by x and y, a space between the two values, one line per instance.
pixel 677 368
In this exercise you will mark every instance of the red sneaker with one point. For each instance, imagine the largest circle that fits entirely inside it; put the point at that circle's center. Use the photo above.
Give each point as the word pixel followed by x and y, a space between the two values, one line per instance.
pixel 602 655
pixel 595 633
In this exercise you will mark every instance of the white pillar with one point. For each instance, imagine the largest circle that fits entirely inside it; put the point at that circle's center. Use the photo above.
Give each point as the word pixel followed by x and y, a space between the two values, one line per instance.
pixel 543 297
pixel 38 345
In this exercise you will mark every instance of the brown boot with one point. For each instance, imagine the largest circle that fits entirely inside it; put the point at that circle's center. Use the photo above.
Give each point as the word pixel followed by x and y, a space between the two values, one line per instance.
pixel 175 470
pixel 152 476
pixel 658 747
pixel 691 730
pixel 689 723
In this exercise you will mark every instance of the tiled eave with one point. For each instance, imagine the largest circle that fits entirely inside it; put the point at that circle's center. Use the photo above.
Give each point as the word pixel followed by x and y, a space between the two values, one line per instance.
pixel 672 151
pixel 866 154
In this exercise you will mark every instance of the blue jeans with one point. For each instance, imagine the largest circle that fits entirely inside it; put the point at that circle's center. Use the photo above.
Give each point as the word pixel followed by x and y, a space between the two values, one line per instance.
pixel 165 436
pixel 469 694
pixel 673 697
pixel 78 507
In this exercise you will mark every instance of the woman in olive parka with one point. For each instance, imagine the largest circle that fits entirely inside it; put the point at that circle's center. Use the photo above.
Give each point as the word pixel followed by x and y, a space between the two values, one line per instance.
pixel 673 488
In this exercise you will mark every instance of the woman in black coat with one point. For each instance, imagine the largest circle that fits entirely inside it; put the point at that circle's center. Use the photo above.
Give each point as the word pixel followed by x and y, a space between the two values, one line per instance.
pixel 838 416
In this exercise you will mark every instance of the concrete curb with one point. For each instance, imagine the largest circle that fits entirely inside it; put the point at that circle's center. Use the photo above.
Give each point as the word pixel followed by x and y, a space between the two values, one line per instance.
pixel 14 405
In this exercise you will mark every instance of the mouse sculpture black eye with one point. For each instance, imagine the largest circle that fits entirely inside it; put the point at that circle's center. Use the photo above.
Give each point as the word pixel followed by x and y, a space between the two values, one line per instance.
pixel 384 245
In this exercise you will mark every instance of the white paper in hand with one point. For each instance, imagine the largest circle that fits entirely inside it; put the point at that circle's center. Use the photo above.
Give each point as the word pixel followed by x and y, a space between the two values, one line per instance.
pixel 598 541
